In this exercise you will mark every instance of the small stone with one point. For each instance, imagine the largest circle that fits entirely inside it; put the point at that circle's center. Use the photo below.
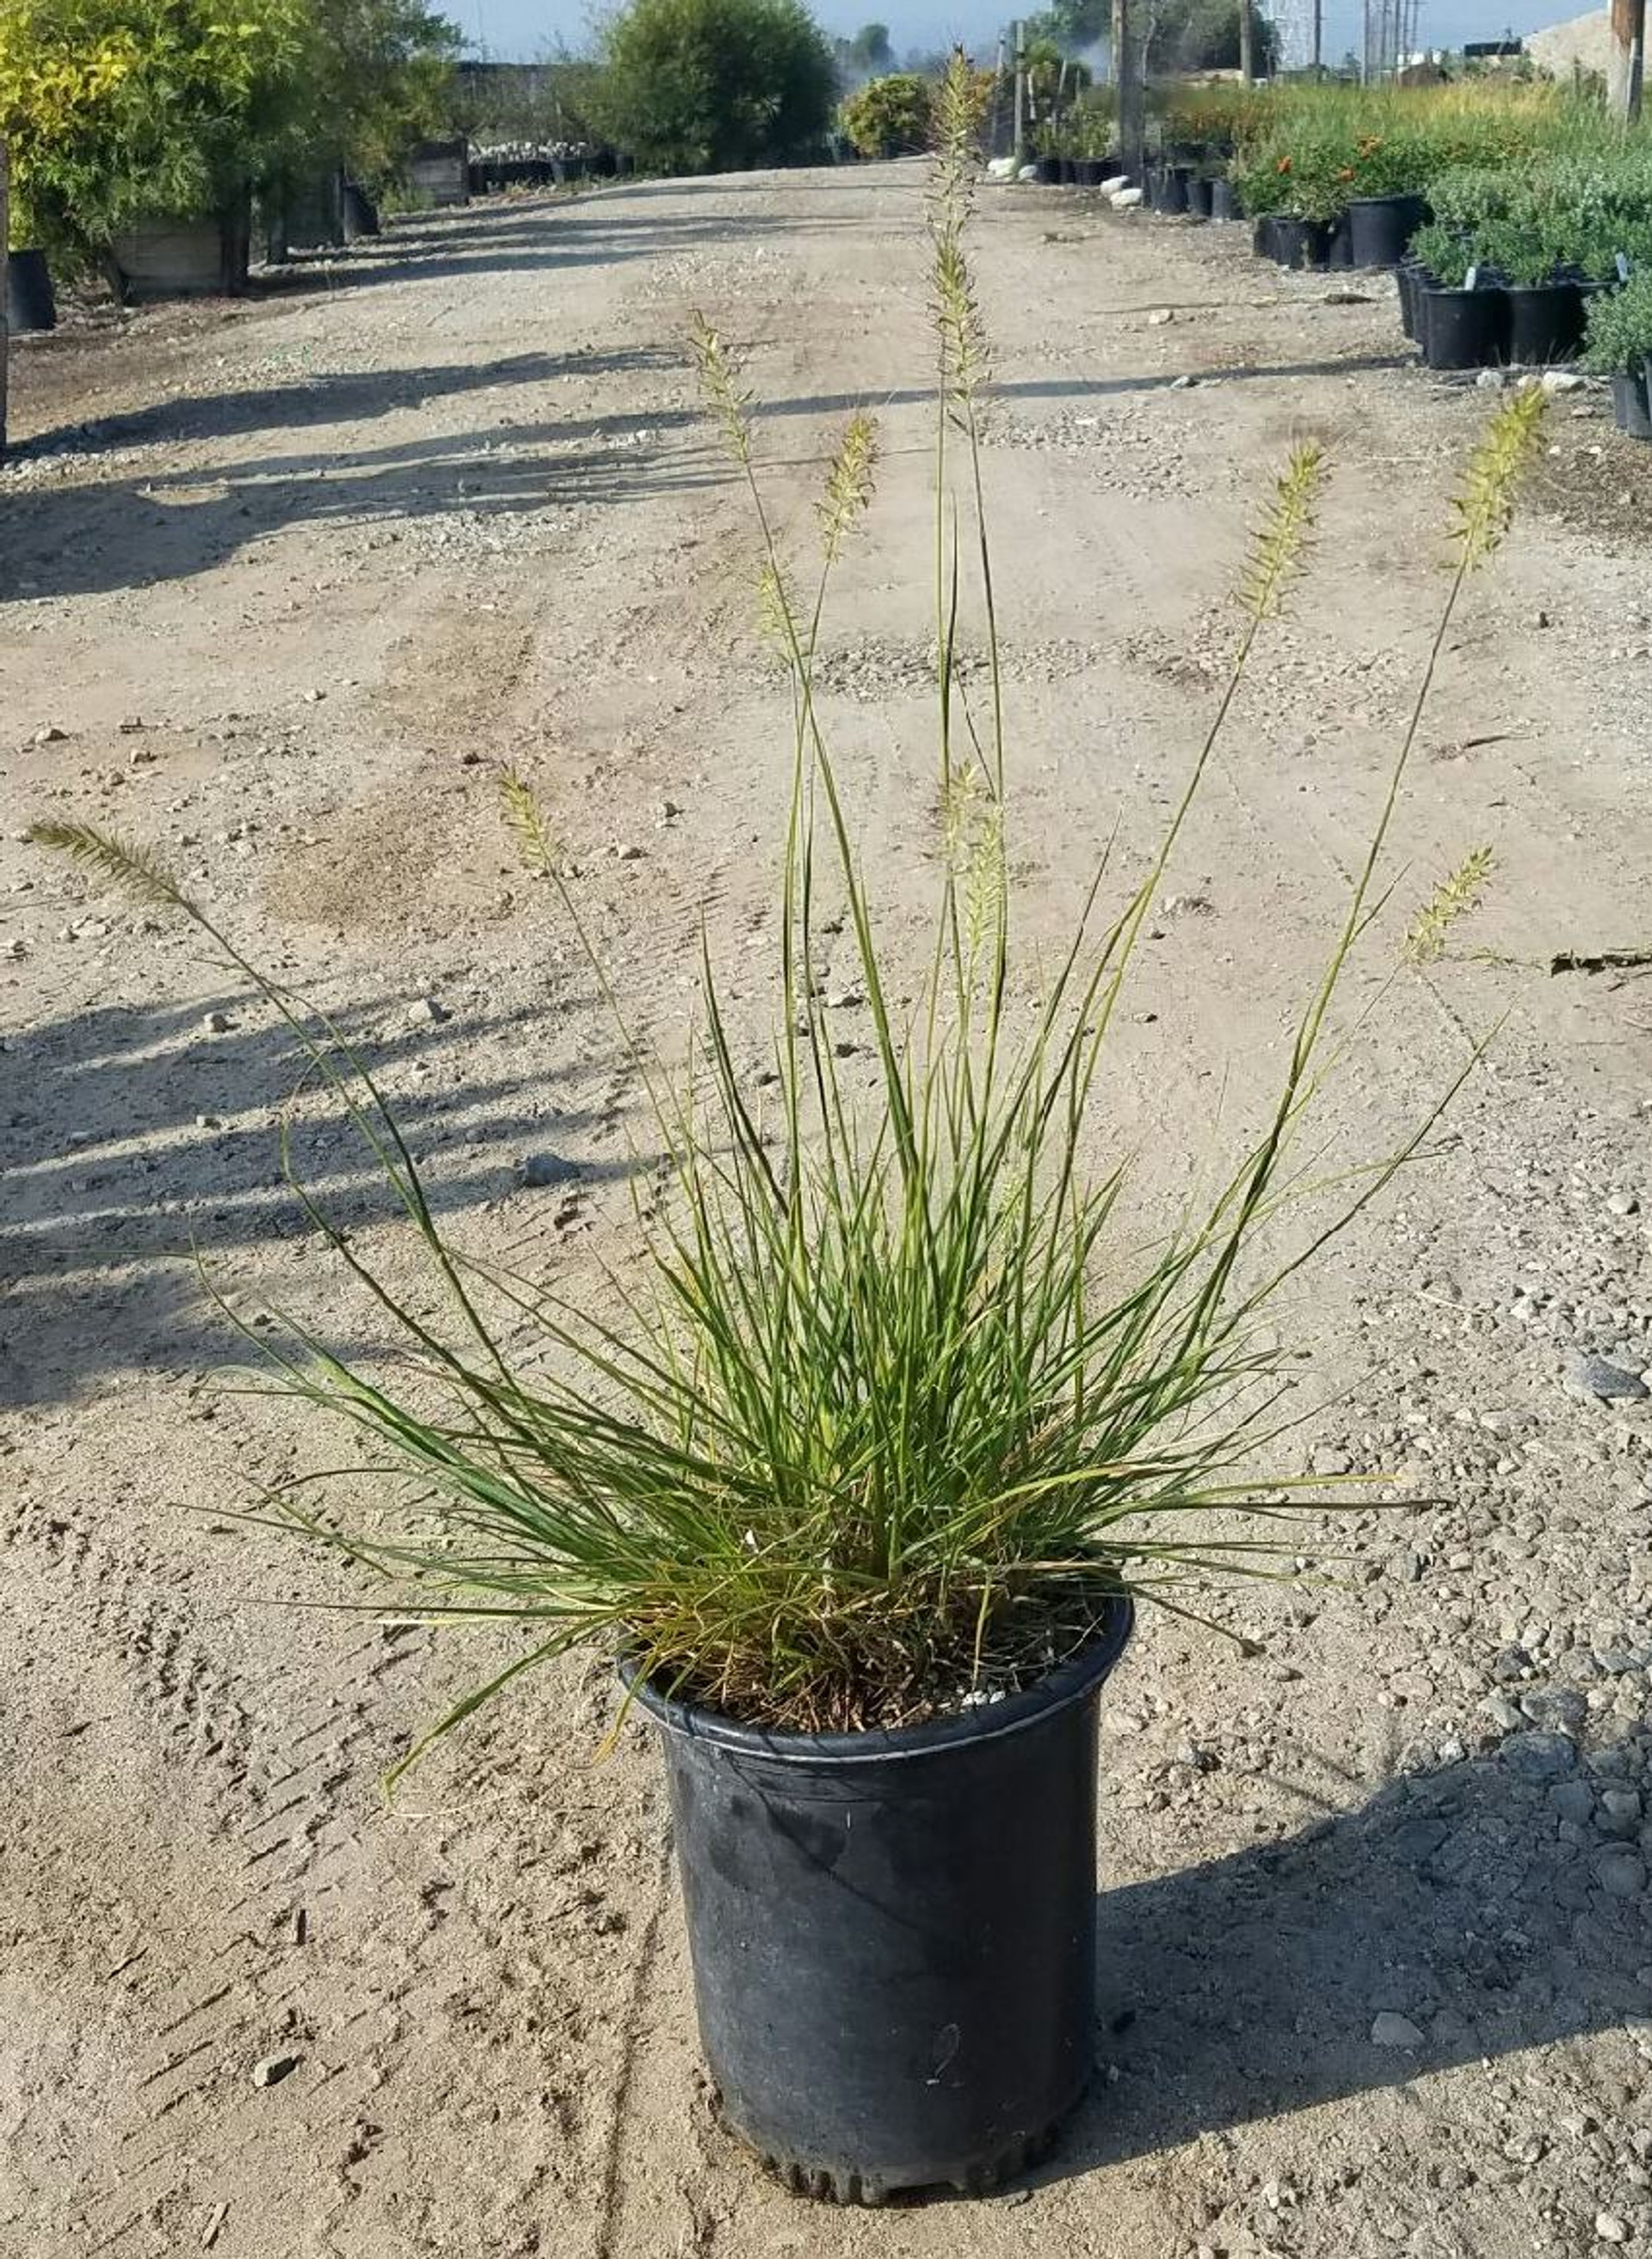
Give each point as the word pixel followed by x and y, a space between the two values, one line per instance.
pixel 1345 297
pixel 541 1169
pixel 628 853
pixel 1502 1712
pixel 667 811
pixel 1159 315
pixel 314 697
pixel 1562 380
pixel 843 1000
pixel 217 1023
pixel 274 2068
pixel 1623 1204
pixel 426 1012
pixel 1183 383
pixel 1539 1756
pixel 1593 1376
pixel 1610 2228
pixel 1558 1709
pixel 1621 1874
pixel 1573 1800
pixel 209 1122
pixel 1619 1811
pixel 1490 380
pixel 51 735
pixel 1394 2031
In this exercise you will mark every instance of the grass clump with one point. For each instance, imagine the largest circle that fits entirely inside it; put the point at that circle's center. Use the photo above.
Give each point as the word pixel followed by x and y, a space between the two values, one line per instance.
pixel 900 1407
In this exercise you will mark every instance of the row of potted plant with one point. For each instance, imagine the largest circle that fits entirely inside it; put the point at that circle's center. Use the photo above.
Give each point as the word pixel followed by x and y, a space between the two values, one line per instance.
pixel 140 131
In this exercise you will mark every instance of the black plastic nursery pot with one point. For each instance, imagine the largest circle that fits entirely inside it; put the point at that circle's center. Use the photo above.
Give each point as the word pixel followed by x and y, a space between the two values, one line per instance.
pixel 1380 228
pixel 1174 185
pixel 1408 279
pixel 1198 198
pixel 1049 172
pixel 1301 242
pixel 893 1934
pixel 1224 200
pixel 31 305
pixel 1631 410
pixel 361 213
pixel 1090 171
pixel 1463 329
pixel 1545 322
pixel 1339 244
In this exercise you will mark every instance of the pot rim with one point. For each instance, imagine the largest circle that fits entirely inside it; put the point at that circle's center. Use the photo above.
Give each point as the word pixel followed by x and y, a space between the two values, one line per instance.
pixel 1070 1682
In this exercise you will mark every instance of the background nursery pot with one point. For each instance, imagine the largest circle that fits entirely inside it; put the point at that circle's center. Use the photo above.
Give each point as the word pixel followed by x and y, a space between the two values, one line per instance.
pixel 894 1933
pixel 175 258
pixel 29 303
pixel 1381 227
pixel 1629 405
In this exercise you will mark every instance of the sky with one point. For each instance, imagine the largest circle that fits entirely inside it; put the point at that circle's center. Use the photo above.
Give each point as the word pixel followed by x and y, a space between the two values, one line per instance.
pixel 518 29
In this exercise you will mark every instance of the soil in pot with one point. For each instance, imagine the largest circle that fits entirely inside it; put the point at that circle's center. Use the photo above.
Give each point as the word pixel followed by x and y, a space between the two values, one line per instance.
pixel 893 1934
pixel 31 306
pixel 1545 322
pixel 1380 228
pixel 1301 242
pixel 1224 200
pixel 1630 409
pixel 1464 329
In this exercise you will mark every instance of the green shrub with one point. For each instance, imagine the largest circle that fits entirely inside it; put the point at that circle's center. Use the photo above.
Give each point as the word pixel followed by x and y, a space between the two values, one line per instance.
pixel 890 117
pixel 1620 333
pixel 695 86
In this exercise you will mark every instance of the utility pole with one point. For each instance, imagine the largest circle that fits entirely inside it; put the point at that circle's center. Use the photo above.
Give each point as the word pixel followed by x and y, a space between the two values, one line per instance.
pixel 1126 80
pixel 1247 42
pixel 1626 59
pixel 1319 36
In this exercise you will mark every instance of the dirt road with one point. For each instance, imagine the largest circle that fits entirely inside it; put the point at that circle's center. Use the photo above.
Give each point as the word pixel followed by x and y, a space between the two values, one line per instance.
pixel 283 582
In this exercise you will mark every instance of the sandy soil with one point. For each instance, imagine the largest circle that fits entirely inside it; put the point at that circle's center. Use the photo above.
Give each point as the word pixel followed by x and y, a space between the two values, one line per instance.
pixel 282 581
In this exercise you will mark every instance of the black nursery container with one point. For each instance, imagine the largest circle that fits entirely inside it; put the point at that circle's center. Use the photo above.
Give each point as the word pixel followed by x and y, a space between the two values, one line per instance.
pixel 29 303
pixel 1463 329
pixel 894 1934
pixel 1545 322
pixel 1090 171
pixel 1198 197
pixel 1631 408
pixel 1409 278
pixel 1380 228
pixel 1263 235
pixel 361 213
pixel 1049 172
pixel 1224 200
pixel 1302 242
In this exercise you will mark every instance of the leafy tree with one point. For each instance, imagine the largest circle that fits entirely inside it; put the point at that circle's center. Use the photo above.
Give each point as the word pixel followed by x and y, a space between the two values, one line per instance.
pixel 118 110
pixel 890 117
pixel 716 85
pixel 380 74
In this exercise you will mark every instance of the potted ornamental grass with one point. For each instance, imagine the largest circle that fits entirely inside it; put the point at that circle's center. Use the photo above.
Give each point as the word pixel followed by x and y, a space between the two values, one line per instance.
pixel 863 1492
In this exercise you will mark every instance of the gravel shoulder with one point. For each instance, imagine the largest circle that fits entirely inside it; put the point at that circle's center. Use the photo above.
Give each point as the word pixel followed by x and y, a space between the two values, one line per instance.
pixel 281 584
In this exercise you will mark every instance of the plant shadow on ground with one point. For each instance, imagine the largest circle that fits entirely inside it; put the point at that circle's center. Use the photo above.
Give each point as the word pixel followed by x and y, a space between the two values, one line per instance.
pixel 1247 1987
pixel 138 532
pixel 131 1134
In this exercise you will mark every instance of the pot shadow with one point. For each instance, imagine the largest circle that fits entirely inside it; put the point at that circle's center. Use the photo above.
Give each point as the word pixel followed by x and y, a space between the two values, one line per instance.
pixel 132 1135
pixel 1247 1987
